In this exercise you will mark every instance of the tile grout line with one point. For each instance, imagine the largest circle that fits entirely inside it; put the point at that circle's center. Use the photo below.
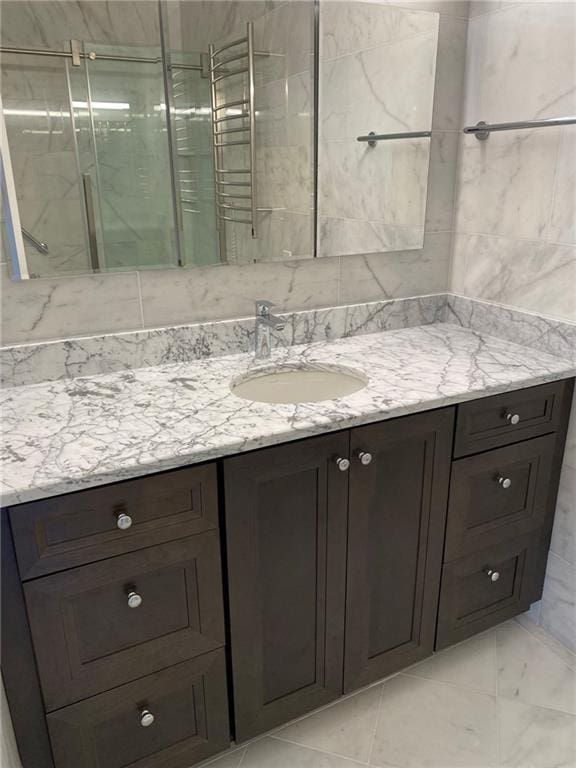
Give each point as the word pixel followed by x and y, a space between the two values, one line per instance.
pixel 376 724
pixel 320 751
pixel 457 686
pixel 571 665
pixel 140 300
pixel 497 686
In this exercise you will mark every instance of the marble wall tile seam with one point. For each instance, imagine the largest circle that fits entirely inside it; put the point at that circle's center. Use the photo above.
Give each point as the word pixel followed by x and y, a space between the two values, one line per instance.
pixel 507 6
pixel 368 49
pixel 408 227
pixel 351 305
pixel 462 230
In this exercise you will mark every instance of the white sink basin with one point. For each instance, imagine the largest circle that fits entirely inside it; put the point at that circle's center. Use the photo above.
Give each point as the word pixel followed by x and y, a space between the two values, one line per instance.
pixel 298 384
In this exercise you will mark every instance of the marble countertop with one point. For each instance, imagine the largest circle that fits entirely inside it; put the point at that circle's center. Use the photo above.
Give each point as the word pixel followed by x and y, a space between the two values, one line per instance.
pixel 66 435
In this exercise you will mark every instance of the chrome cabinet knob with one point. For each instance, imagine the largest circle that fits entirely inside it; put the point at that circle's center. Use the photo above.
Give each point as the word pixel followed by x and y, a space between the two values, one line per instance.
pixel 343 464
pixel 492 575
pixel 512 418
pixel 504 482
pixel 146 718
pixel 134 599
pixel 123 521
pixel 365 457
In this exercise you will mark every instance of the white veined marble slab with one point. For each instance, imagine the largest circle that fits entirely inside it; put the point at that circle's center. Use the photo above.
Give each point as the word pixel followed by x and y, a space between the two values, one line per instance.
pixel 65 435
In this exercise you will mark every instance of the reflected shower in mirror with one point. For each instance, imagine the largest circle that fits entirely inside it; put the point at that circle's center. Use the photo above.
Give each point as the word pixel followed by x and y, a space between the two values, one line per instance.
pixel 144 134
pixel 377 72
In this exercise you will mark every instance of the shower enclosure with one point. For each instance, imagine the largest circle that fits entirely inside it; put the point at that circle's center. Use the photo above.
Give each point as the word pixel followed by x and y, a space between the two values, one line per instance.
pixel 129 156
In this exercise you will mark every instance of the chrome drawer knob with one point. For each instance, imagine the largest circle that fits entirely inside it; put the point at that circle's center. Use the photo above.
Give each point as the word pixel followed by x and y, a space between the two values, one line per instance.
pixel 134 599
pixel 492 575
pixel 146 718
pixel 512 418
pixel 365 457
pixel 343 464
pixel 123 521
pixel 504 482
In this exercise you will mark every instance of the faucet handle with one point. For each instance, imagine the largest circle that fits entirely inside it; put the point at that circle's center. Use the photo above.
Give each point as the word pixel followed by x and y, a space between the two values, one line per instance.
pixel 263 307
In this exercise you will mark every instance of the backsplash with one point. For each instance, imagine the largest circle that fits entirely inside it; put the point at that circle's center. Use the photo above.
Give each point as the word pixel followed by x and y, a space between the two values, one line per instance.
pixel 53 360
pixel 515 239
pixel 73 306
pixel 31 363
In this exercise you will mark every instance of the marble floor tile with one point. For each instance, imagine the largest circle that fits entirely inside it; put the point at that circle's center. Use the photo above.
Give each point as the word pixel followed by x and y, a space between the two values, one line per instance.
pixel 232 759
pixel 448 718
pixel 534 737
pixel 530 672
pixel 471 664
pixel 426 723
pixel 345 729
pixel 567 656
pixel 274 753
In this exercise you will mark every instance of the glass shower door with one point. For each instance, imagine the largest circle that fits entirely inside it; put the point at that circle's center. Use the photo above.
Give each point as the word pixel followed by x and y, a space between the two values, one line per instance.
pixel 41 140
pixel 120 115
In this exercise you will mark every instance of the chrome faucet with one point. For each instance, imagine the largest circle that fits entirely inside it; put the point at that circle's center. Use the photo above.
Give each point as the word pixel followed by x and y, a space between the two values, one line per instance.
pixel 265 322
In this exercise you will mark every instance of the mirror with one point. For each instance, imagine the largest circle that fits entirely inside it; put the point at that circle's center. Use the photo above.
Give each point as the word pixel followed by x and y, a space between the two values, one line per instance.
pixel 146 134
pixel 150 134
pixel 377 71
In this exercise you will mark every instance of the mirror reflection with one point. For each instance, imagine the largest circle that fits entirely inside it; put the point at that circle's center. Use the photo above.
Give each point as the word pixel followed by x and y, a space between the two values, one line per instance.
pixel 182 133
pixel 150 135
pixel 377 71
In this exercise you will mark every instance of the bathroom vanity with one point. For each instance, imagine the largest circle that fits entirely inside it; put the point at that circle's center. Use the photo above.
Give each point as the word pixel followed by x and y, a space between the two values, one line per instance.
pixel 151 620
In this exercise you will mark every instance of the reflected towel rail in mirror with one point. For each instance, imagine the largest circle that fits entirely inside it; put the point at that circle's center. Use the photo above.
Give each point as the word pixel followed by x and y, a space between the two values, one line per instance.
pixel 38 244
pixel 482 130
pixel 372 137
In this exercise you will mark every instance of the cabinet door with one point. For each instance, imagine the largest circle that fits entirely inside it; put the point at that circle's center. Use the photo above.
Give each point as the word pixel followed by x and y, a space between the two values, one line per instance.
pixel 286 531
pixel 396 527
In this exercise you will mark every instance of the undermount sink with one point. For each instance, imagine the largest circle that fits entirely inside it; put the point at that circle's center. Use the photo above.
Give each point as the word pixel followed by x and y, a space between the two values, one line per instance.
pixel 298 384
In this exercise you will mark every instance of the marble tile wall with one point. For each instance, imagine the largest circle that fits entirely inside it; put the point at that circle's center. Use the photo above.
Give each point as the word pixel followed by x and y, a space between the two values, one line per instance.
pixel 515 223
pixel 56 308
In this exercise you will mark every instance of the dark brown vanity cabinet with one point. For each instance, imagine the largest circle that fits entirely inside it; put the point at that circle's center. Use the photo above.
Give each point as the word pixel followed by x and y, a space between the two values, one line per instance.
pixel 334 557
pixel 113 627
pixel 504 482
pixel 126 642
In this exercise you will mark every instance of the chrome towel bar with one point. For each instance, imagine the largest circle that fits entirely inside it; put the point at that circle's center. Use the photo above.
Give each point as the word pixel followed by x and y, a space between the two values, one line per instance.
pixel 372 137
pixel 40 246
pixel 482 130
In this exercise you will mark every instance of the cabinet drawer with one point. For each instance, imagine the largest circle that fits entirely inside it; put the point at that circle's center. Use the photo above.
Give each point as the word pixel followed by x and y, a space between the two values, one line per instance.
pixel 471 601
pixel 189 707
pixel 88 639
pixel 508 418
pixel 498 495
pixel 83 527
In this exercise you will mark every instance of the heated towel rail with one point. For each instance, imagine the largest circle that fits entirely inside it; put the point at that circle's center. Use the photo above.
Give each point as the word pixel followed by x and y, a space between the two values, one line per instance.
pixel 233 126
